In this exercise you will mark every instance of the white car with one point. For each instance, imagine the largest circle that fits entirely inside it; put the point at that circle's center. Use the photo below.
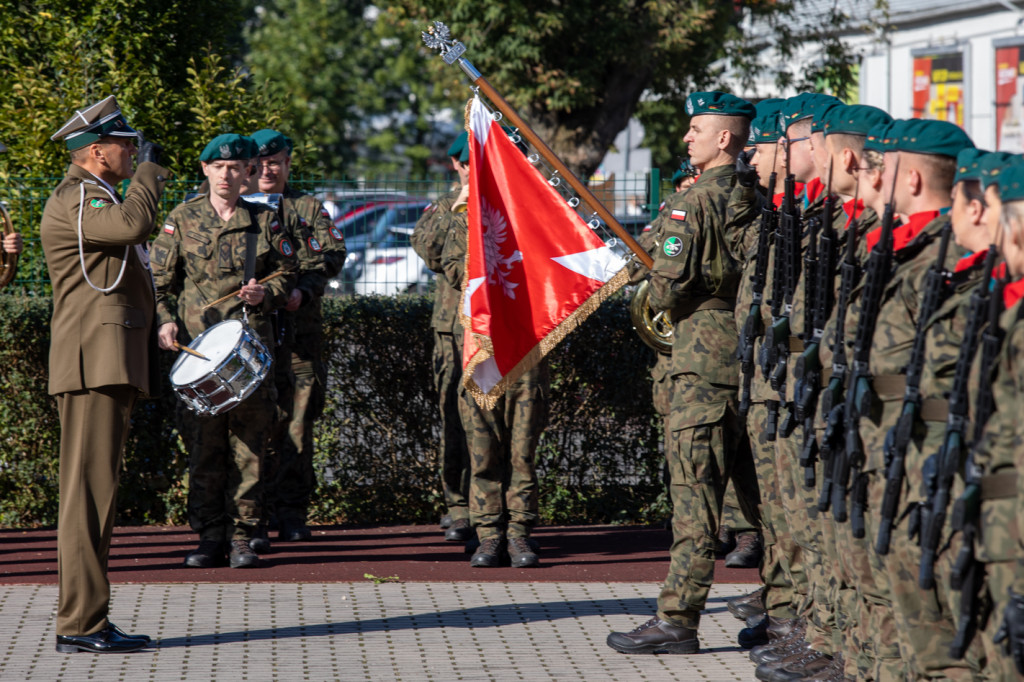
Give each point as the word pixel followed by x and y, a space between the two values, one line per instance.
pixel 393 267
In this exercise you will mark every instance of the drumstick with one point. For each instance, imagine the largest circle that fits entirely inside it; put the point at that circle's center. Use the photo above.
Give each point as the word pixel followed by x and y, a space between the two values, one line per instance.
pixel 232 295
pixel 188 350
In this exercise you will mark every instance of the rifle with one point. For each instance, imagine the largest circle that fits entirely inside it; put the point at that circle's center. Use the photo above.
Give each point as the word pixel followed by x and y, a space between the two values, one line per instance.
pixel 898 439
pixel 967 574
pixel 819 281
pixel 770 346
pixel 789 220
pixel 859 395
pixel 753 326
pixel 832 398
pixel 940 469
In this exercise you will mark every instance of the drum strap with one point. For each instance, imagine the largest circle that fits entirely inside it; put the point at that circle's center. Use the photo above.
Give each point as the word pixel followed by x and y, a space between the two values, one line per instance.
pixel 250 254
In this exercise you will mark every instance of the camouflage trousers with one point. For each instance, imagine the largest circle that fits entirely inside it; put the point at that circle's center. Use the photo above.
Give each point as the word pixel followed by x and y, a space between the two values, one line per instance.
pixel 288 467
pixel 800 507
pixel 873 585
pixel 225 491
pixel 924 621
pixel 705 445
pixel 502 445
pixel 455 468
pixel 997 547
pixel 782 568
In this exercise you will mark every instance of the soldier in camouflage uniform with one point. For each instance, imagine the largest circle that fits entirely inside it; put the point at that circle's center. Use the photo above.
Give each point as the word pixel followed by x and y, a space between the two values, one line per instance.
pixel 696 276
pixel 428 239
pixel 300 375
pixel 927 160
pixel 502 441
pixel 999 454
pixel 198 257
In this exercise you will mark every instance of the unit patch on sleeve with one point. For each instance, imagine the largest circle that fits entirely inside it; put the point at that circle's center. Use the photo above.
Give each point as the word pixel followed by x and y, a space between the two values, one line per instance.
pixel 336 233
pixel 168 228
pixel 314 244
pixel 679 215
pixel 99 203
pixel 285 247
pixel 672 247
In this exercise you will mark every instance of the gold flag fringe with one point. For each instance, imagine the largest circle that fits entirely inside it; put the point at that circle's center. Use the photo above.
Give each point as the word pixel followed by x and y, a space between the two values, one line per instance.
pixel 487 400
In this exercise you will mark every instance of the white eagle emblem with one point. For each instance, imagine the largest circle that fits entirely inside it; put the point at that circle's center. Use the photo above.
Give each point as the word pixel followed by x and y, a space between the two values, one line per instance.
pixel 225 151
pixel 499 267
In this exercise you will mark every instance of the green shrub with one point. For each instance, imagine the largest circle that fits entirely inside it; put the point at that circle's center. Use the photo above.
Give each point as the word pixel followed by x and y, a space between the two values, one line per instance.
pixel 376 445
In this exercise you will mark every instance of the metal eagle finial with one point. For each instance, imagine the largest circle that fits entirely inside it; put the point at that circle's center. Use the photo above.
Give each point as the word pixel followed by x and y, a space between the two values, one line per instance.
pixel 439 38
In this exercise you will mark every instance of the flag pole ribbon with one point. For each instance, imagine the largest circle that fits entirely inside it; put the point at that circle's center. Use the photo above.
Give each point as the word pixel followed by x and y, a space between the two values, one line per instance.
pixel 438 37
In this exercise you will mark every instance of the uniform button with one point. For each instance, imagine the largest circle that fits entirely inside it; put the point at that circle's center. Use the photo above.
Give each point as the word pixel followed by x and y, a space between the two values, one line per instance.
pixel 127 323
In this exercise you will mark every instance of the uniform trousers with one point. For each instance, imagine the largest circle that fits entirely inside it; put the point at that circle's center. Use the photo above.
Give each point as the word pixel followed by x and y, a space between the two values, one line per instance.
pixel 94 427
pixel 226 453
pixel 455 469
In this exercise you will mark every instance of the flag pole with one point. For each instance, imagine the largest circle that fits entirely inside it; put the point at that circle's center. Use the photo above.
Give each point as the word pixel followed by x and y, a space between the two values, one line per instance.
pixel 438 37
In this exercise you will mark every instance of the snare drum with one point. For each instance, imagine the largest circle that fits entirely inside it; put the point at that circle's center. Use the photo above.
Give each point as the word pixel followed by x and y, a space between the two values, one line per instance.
pixel 238 362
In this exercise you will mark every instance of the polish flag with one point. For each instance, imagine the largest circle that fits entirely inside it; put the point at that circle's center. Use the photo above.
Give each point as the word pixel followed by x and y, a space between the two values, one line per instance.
pixel 534 269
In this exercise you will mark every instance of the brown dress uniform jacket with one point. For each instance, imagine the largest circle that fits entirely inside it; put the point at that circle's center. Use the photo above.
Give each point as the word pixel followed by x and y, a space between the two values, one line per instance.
pixel 101 339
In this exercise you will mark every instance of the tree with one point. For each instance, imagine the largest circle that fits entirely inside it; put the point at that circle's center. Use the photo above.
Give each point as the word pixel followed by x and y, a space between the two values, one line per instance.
pixel 159 57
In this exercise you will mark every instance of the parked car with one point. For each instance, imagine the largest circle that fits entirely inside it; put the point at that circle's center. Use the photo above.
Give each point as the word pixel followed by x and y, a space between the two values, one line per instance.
pixel 367 226
pixel 393 267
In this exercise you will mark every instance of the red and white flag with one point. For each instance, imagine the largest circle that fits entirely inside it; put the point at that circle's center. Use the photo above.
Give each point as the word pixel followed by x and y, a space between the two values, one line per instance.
pixel 534 268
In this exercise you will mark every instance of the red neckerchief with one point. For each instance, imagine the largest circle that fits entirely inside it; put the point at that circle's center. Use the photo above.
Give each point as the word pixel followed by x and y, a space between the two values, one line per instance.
pixel 904 233
pixel 1012 292
pixel 777 200
pixel 970 260
pixel 814 189
pixel 852 212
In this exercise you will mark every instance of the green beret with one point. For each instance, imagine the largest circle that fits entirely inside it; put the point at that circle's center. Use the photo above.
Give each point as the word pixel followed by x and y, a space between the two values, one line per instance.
pixel 270 142
pixel 820 112
pixel 460 143
pixel 991 166
pixel 968 164
pixel 230 147
pixel 768 107
pixel 803 106
pixel 96 121
pixel 765 129
pixel 1011 183
pixel 875 139
pixel 720 104
pixel 677 177
pixel 854 119
pixel 921 136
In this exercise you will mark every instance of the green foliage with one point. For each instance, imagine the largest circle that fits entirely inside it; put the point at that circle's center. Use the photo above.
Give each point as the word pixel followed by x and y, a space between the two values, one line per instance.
pixel 377 442
pixel 160 57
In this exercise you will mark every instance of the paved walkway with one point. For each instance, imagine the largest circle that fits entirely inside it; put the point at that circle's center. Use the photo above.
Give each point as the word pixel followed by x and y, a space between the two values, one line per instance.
pixel 366 631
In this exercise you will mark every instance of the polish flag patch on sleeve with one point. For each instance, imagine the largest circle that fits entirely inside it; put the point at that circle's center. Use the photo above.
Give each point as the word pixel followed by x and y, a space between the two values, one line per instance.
pixel 168 228
pixel 678 215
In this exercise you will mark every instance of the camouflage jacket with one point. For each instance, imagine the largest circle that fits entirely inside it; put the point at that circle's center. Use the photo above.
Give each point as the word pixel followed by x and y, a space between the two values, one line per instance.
pixel 320 247
pixel 428 239
pixel 198 258
pixel 696 275
pixel 453 258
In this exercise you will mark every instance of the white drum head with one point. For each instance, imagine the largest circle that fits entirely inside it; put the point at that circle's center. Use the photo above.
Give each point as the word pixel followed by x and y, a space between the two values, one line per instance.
pixel 216 343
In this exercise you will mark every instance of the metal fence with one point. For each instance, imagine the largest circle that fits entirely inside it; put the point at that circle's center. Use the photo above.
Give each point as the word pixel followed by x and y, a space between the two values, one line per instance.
pixel 376 216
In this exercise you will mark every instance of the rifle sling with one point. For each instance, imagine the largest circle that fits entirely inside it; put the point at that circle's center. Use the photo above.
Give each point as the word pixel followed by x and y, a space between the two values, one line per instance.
pixel 690 306
pixel 796 344
pixel 999 486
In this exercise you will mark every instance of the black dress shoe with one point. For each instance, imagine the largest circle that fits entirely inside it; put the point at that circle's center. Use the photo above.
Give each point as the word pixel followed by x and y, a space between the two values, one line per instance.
pixel 106 641
pixel 655 637
pixel 121 633
pixel 446 521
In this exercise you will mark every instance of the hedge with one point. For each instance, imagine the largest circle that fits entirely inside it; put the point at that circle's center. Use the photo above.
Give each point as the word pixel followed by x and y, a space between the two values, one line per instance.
pixel 377 443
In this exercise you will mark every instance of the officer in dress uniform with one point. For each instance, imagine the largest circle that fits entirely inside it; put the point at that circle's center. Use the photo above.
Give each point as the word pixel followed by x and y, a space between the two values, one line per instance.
pixel 200 256
pixel 101 355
